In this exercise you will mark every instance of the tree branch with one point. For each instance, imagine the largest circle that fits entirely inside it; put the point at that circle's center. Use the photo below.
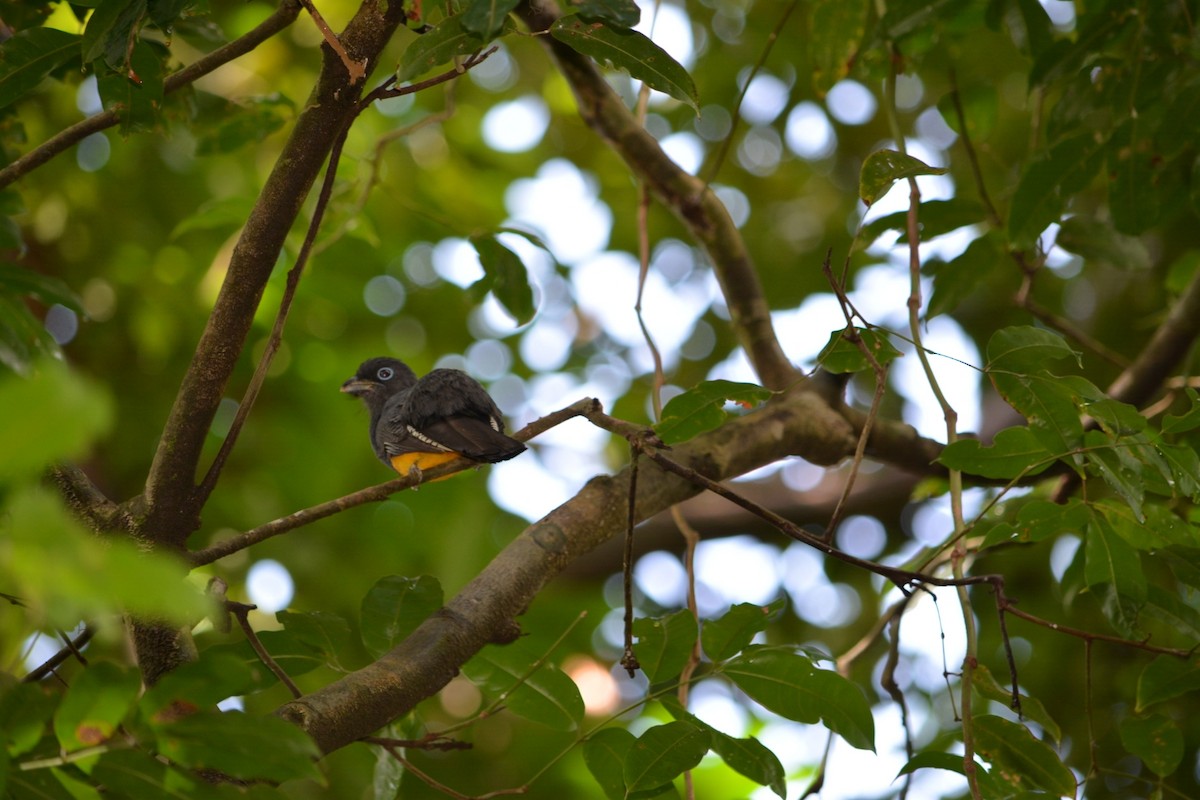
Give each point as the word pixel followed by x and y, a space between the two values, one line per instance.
pixel 170 502
pixel 283 16
pixel 364 701
pixel 692 202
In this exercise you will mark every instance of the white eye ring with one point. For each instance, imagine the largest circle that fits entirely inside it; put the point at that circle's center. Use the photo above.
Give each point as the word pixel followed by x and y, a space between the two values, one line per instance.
pixel 385 373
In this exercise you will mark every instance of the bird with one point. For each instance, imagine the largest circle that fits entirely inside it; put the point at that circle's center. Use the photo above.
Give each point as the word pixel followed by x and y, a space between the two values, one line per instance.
pixel 418 423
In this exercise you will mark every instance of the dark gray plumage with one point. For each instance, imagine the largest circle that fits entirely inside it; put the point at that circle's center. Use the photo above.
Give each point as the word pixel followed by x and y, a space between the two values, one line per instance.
pixel 426 421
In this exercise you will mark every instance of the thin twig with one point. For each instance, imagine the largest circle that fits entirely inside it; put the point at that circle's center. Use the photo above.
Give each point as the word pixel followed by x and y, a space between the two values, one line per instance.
pixel 629 661
pixel 356 70
pixel 373 494
pixel 241 612
pixel 73 647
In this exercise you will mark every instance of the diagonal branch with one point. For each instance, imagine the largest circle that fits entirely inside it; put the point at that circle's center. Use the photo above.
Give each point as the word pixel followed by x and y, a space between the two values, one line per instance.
pixel 283 16
pixel 686 196
pixel 364 701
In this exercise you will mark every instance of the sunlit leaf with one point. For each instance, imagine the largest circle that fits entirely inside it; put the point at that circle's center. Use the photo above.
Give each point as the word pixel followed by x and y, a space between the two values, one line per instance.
pixel 394 607
pixel 664 752
pixel 952 762
pixel 751 758
pixel 24 710
pixel 628 50
pixel 72 411
pixel 1025 348
pixel 700 408
pixel 884 167
pixel 29 56
pixel 1011 748
pixel 664 644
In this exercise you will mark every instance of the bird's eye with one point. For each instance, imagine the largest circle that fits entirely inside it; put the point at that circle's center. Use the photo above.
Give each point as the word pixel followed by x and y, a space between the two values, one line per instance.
pixel 385 373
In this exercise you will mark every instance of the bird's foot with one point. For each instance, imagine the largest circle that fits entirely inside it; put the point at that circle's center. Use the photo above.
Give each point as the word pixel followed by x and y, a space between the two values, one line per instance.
pixel 417 475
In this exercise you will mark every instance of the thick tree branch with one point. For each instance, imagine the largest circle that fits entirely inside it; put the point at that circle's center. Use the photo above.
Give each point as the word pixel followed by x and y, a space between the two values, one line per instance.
pixel 685 195
pixel 171 507
pixel 283 16
pixel 483 612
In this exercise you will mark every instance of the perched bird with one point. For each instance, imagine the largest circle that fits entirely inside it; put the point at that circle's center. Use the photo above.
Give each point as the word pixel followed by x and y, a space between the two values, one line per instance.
pixel 420 423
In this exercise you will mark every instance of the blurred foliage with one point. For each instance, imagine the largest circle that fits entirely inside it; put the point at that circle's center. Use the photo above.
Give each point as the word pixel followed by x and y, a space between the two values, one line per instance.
pixel 1082 196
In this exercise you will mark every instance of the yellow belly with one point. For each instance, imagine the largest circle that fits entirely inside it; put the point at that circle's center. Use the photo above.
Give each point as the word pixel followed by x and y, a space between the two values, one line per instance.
pixel 423 461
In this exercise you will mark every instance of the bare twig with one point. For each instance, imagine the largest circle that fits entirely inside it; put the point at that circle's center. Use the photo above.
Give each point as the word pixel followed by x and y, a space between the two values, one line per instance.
pixel 241 612
pixel 372 494
pixel 354 69
pixel 283 16
pixel 73 647
pixel 628 660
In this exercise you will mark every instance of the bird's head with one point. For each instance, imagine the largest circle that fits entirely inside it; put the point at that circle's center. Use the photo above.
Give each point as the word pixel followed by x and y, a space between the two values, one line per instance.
pixel 379 378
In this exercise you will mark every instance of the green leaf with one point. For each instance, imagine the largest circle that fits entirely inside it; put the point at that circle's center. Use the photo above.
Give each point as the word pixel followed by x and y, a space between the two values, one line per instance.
pixel 1014 453
pixel 293 657
pixel 631 51
pixel 221 214
pixel 95 704
pixel 664 644
pixel 133 773
pixel 1110 560
pixel 989 785
pixel 936 218
pixel 20 281
pixel 842 24
pixel 65 573
pixel 547 695
pixel 1011 749
pixel 110 29
pixel 726 637
pixel 604 753
pixel 448 40
pixel 1108 458
pixel 621 13
pixel 394 607
pixel 486 18
pixel 29 56
pixel 1099 242
pixel 1031 708
pixel 505 277
pixel 1166 677
pixel 326 631
pixel 164 13
pixel 700 408
pixel 842 354
pixel 979 105
pixel 225 130
pixel 663 753
pixel 1026 349
pixel 789 685
pixel 214 676
pixel 1156 740
pixel 884 167
pixel 955 281
pixel 1047 183
pixel 71 413
pixel 240 745
pixel 137 92
pixel 1134 196
pixel 24 709
pixel 751 758
pixel 1188 421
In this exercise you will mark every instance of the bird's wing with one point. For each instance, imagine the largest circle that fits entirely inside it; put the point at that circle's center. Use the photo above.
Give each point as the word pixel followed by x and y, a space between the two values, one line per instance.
pixel 446 410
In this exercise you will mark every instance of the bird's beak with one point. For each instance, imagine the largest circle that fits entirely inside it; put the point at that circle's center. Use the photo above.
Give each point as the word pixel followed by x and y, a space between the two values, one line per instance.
pixel 357 386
